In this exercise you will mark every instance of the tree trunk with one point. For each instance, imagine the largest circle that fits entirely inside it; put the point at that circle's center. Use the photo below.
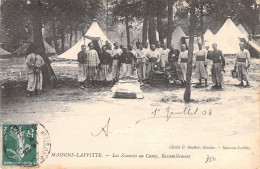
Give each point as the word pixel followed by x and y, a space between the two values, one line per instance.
pixel 56 46
pixel 76 34
pixel 170 22
pixel 62 40
pixel 256 18
pixel 187 93
pixel 201 23
pixel 152 30
pixel 152 23
pixel 49 78
pixel 159 20
pixel 127 30
pixel 71 36
pixel 145 24
pixel 67 40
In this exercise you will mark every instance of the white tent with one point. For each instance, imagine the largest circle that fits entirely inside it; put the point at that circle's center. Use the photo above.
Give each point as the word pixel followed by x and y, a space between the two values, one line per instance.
pixel 251 42
pixel 242 29
pixel 176 37
pixel 4 52
pixel 228 37
pixel 209 36
pixel 24 48
pixel 93 32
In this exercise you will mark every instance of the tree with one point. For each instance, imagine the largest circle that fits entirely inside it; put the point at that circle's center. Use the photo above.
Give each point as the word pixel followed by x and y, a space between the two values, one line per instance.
pixel 125 11
pixel 250 9
pixel 152 22
pixel 170 21
pixel 160 14
pixel 187 93
pixel 49 77
pixel 145 22
pixel 21 18
pixel 16 24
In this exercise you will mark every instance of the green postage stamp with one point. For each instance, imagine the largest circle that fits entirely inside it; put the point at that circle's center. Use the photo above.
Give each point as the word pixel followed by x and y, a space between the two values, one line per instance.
pixel 19 143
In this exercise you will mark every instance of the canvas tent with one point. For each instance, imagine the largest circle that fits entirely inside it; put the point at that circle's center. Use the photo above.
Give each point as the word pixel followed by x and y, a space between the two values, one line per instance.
pixel 252 43
pixel 94 32
pixel 4 52
pixel 228 37
pixel 23 50
pixel 176 37
pixel 242 29
pixel 209 36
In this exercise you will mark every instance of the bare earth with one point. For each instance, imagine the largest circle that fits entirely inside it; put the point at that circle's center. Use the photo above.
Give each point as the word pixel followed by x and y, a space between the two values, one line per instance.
pixel 73 115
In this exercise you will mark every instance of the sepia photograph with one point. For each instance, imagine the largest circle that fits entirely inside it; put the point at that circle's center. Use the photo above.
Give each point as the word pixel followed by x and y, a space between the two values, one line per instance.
pixel 130 84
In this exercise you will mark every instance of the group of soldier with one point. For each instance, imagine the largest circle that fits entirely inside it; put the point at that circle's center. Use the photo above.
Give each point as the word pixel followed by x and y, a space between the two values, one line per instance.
pixel 114 63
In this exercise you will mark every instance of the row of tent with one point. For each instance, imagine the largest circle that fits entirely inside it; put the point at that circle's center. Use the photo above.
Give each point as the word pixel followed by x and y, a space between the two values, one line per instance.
pixel 227 38
pixel 23 49
pixel 94 33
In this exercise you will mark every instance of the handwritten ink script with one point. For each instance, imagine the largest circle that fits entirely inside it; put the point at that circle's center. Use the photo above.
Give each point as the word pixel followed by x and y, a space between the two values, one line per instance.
pixel 103 129
pixel 210 159
pixel 169 113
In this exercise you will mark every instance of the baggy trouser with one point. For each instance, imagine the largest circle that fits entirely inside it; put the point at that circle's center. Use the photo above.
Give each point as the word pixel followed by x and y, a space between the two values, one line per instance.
pixel 151 67
pixel 82 72
pixel 115 69
pixel 104 73
pixel 201 71
pixel 141 71
pixel 175 68
pixel 183 66
pixel 92 73
pixel 217 77
pixel 125 70
pixel 242 71
pixel 34 82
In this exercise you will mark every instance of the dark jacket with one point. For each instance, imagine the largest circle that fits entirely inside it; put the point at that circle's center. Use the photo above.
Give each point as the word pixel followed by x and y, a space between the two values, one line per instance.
pixel 82 57
pixel 173 56
pixel 216 57
pixel 127 58
pixel 105 58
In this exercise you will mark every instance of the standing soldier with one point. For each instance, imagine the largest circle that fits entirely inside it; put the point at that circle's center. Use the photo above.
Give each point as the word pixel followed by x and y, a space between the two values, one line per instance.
pixel 218 65
pixel 153 56
pixel 141 63
pixel 242 63
pixel 183 59
pixel 201 64
pixel 173 61
pixel 147 50
pixel 209 65
pixel 82 59
pixel 34 64
pixel 116 52
pixel 125 62
pixel 105 73
pixel 134 54
pixel 93 62
pixel 164 57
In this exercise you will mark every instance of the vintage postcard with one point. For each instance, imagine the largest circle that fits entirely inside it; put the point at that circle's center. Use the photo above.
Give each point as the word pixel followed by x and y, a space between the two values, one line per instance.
pixel 130 84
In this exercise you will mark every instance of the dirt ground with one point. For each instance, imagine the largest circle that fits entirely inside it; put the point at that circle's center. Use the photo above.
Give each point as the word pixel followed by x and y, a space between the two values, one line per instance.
pixel 68 111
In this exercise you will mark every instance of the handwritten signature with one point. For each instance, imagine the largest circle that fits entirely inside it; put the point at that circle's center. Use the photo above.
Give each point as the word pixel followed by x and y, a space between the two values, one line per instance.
pixel 103 129
pixel 185 113
pixel 210 159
